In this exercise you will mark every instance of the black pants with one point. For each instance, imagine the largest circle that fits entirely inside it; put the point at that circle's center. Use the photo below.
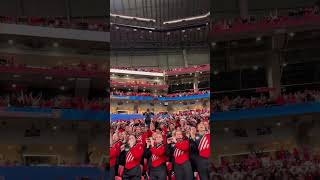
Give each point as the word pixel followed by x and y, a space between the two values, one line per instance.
pixel 203 168
pixel 158 173
pixel 112 172
pixel 183 171
pixel 132 174
pixel 148 124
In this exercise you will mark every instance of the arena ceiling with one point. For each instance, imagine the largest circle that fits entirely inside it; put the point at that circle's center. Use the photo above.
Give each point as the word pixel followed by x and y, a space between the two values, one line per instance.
pixel 160 10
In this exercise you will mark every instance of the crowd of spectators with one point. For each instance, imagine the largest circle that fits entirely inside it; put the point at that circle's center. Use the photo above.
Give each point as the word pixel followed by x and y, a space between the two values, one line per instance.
pixel 139 83
pixel 274 17
pixel 65 70
pixel 25 99
pixel 204 67
pixel 143 69
pixel 239 103
pixel 120 93
pixel 191 69
pixel 81 66
pixel 58 22
pixel 192 125
pixel 284 165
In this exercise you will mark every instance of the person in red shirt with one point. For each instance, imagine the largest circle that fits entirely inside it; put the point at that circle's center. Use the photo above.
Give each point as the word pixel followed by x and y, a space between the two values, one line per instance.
pixel 158 169
pixel 133 155
pixel 201 142
pixel 114 153
pixel 141 137
pixel 179 147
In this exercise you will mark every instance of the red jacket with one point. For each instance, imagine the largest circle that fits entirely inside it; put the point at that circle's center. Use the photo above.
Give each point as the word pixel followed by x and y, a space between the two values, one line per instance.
pixel 204 146
pixel 114 152
pixel 181 152
pixel 133 156
pixel 141 139
pixel 158 156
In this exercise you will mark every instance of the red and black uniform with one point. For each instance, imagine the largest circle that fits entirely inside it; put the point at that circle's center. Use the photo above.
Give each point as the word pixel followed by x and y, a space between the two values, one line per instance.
pixel 182 165
pixel 114 153
pixel 158 169
pixel 133 157
pixel 202 145
pixel 142 139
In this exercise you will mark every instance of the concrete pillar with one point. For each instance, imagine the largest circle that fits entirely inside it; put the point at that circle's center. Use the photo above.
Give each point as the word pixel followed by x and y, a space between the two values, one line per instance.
pixel 243 9
pixel 303 128
pixel 68 10
pixel 82 146
pixel 185 57
pixel 136 107
pixel 273 73
pixel 195 82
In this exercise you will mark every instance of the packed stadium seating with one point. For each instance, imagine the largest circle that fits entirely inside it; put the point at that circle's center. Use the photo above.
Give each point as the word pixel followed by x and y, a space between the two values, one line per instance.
pixel 119 93
pixel 131 108
pixel 296 17
pixel 173 71
pixel 23 99
pixel 164 123
pixel 59 22
pixel 284 164
pixel 241 103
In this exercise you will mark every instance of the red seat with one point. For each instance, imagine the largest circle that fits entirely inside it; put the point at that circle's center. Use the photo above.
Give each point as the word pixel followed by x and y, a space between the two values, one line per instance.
pixel 118 178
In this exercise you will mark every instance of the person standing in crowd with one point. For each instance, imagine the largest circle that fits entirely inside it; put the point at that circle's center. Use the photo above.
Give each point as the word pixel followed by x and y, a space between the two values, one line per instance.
pixel 147 116
pixel 141 136
pixel 114 153
pixel 162 145
pixel 178 146
pixel 132 152
pixel 201 143
pixel 157 149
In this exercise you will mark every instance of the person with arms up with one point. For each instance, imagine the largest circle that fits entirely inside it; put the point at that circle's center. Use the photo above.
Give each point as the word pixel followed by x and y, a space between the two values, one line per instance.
pixel 148 115
pixel 178 146
pixel 200 143
pixel 132 153
pixel 114 153
pixel 157 148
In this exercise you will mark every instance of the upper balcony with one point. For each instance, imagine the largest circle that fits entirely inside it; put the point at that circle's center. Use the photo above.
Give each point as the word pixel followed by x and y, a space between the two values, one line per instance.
pixel 97 31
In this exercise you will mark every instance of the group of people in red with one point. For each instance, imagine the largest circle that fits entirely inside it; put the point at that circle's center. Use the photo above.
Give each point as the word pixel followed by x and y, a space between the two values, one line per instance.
pixel 143 69
pixel 169 71
pixel 120 93
pixel 172 147
pixel 81 66
pixel 238 103
pixel 190 69
pixel 274 17
pixel 30 99
pixel 299 164
pixel 58 22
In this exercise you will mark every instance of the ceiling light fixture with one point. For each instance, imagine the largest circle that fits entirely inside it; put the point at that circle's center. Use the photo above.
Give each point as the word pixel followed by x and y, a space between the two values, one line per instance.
pixel 187 19
pixel 132 17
